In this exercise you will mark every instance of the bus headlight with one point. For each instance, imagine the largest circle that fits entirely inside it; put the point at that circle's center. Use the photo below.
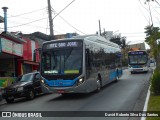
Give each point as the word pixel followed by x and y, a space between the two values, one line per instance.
pixel 80 81
pixel 43 81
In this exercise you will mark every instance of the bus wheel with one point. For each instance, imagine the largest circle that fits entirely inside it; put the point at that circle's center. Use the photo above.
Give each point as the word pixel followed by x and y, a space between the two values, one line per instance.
pixel 98 85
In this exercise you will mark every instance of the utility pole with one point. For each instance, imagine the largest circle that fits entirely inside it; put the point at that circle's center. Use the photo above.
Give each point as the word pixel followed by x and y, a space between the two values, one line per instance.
pixel 50 18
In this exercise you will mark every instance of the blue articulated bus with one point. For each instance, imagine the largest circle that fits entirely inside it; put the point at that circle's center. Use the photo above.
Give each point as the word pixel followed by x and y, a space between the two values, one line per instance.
pixel 79 65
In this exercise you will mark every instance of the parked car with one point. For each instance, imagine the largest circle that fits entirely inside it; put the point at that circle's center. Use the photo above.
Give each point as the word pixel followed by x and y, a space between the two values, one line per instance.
pixel 27 85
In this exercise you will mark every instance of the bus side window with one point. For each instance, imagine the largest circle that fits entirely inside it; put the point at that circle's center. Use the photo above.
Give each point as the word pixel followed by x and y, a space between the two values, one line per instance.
pixel 87 58
pixel 88 63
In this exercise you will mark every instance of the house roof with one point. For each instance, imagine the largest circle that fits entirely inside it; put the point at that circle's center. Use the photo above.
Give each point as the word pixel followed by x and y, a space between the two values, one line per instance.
pixel 13 37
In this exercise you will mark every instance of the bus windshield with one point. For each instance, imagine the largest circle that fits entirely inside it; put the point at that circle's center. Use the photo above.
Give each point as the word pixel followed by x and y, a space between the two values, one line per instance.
pixel 137 58
pixel 62 61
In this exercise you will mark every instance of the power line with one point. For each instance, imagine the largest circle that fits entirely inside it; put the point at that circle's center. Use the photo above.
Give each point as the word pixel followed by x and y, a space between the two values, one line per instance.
pixel 11 16
pixel 142 12
pixel 60 28
pixel 157 2
pixel 63 9
pixel 155 10
pixel 50 15
pixel 28 23
pixel 70 24
pixel 143 6
pixel 150 13
pixel 144 15
pixel 27 13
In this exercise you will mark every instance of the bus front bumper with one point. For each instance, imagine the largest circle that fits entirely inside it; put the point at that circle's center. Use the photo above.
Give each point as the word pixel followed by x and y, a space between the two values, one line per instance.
pixel 86 87
pixel 63 90
pixel 144 69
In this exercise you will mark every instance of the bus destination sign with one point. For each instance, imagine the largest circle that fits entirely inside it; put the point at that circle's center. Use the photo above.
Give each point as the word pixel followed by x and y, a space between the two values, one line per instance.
pixel 64 44
pixel 137 53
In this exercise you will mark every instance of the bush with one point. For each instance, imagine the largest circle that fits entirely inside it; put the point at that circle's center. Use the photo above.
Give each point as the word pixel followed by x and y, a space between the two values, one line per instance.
pixel 155 82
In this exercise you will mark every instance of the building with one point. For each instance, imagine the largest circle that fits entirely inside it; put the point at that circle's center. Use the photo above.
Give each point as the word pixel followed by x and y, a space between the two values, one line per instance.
pixel 16 56
pixel 138 46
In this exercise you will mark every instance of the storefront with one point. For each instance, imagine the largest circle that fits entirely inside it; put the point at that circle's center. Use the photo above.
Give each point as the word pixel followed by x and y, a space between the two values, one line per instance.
pixel 16 57
pixel 11 49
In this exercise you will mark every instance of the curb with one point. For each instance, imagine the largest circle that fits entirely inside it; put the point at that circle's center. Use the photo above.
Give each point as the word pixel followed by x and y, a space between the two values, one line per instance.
pixel 146 103
pixel 147 99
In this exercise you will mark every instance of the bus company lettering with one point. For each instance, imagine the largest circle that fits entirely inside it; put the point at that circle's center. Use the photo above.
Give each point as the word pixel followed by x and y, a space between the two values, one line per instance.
pixel 63 44
pixel 54 45
pixel 72 44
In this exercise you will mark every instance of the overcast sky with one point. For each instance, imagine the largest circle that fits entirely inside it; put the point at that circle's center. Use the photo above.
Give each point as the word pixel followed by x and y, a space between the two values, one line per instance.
pixel 128 17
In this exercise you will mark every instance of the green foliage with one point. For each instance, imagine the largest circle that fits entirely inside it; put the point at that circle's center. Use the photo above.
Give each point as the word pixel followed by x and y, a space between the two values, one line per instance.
pixel 155 52
pixel 153 105
pixel 155 82
pixel 152 34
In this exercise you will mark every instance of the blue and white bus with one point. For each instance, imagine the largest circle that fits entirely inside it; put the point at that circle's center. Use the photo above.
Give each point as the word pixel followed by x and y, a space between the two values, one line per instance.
pixel 79 65
pixel 138 61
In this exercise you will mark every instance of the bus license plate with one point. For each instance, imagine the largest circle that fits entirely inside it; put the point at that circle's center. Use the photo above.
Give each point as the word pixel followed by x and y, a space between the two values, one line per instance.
pixel 60 91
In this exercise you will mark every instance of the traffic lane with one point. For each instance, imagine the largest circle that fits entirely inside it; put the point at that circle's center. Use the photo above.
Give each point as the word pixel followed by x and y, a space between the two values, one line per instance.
pixel 106 100
pixel 120 96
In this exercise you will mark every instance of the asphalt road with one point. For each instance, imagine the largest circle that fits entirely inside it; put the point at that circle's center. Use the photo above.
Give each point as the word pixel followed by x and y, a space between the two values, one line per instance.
pixel 128 94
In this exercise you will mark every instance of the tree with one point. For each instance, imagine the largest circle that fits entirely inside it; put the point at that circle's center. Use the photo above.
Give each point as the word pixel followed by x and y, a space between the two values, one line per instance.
pixel 121 41
pixel 152 34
